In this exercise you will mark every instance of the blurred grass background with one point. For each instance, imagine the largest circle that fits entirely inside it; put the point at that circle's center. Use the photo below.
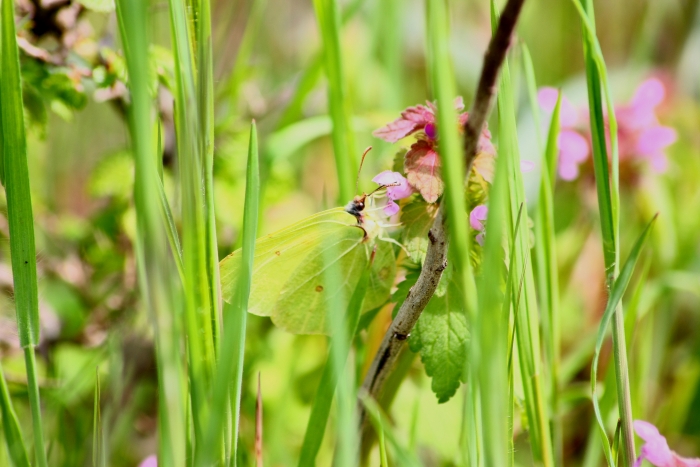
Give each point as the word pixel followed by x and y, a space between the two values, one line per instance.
pixel 267 67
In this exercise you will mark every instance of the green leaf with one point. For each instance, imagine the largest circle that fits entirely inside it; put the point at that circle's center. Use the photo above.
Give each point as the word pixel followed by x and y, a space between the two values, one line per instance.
pixel 417 218
pixel 440 336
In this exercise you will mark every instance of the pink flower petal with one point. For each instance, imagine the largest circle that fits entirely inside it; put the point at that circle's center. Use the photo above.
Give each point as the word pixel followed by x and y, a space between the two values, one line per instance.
pixel 656 450
pixel 568 115
pixel 459 103
pixel 649 94
pixel 391 208
pixel 655 139
pixel 572 146
pixel 659 162
pixel 477 216
pixel 480 239
pixel 150 461
pixel 568 171
pixel 397 185
pixel 526 166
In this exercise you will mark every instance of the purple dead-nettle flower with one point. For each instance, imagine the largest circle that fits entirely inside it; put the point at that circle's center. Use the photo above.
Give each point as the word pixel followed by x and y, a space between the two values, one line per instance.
pixel 397 187
pixel 656 450
pixel 476 220
pixel 422 160
pixel 573 147
pixel 150 461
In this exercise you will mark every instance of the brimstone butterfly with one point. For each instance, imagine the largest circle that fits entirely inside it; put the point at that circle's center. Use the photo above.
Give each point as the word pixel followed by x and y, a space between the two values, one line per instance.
pixel 289 283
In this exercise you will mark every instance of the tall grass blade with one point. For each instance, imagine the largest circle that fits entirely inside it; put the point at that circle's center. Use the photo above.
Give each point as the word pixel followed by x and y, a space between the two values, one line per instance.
pixel 618 290
pixel 403 457
pixel 608 203
pixel 547 277
pixel 19 215
pixel 228 379
pixel 334 374
pixel 201 321
pixel 158 284
pixel 259 427
pixel 97 449
pixel 11 428
pixel 527 319
pixel 328 18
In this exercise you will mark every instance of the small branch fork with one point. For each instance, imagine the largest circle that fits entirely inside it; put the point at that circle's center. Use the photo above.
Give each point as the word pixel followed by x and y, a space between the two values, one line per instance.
pixel 436 255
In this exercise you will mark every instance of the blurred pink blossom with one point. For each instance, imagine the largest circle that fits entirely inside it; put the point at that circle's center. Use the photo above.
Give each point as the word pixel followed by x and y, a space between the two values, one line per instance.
pixel 150 461
pixel 397 188
pixel 656 450
pixel 640 135
pixel 573 147
pixel 476 220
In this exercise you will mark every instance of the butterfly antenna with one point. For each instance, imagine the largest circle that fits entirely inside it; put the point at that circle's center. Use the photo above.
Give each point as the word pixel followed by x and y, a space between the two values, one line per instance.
pixel 362 161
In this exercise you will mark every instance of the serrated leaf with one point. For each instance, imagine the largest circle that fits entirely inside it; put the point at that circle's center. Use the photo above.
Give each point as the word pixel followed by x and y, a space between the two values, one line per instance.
pixel 417 217
pixel 440 337
pixel 399 160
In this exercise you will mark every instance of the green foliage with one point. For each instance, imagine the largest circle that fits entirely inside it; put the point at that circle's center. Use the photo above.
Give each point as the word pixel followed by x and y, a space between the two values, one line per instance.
pixel 417 217
pixel 441 336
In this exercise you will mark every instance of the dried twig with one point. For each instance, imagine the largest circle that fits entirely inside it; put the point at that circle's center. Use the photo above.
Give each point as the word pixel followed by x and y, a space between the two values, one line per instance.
pixel 436 256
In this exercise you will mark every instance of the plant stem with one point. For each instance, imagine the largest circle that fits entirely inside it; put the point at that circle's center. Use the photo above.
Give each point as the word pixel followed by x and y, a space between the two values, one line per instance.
pixel 407 316
pixel 35 406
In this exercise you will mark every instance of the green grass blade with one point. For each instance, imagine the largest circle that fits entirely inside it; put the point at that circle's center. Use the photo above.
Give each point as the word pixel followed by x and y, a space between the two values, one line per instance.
pixel 19 216
pixel 608 203
pixel 201 321
pixel 547 277
pixel 403 457
pixel 527 319
pixel 97 448
pixel 230 366
pixel 11 428
pixel 334 374
pixel 614 299
pixel 328 19
pixel 158 284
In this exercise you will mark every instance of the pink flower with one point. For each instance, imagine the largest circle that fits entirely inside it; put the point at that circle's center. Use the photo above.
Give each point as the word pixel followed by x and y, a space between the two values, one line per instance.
pixel 573 148
pixel 656 450
pixel 422 161
pixel 639 132
pixel 397 188
pixel 150 461
pixel 476 220
pixel 640 135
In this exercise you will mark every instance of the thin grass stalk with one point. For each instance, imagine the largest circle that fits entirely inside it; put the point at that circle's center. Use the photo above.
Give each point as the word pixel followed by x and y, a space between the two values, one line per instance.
pixel 527 319
pixel 328 18
pixel 159 286
pixel 10 427
pixel 228 379
pixel 205 106
pixel 608 205
pixel 20 217
pixel 200 321
pixel 548 279
pixel 337 376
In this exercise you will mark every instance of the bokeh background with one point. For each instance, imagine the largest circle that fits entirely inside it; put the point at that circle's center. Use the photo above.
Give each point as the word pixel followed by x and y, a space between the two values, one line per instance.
pixel 268 68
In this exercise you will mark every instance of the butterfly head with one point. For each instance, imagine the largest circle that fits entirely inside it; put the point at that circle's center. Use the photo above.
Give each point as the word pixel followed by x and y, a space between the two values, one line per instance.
pixel 356 206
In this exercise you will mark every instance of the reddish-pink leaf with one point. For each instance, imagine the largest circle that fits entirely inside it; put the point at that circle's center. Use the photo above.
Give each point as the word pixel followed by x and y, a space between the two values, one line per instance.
pixel 412 119
pixel 422 167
